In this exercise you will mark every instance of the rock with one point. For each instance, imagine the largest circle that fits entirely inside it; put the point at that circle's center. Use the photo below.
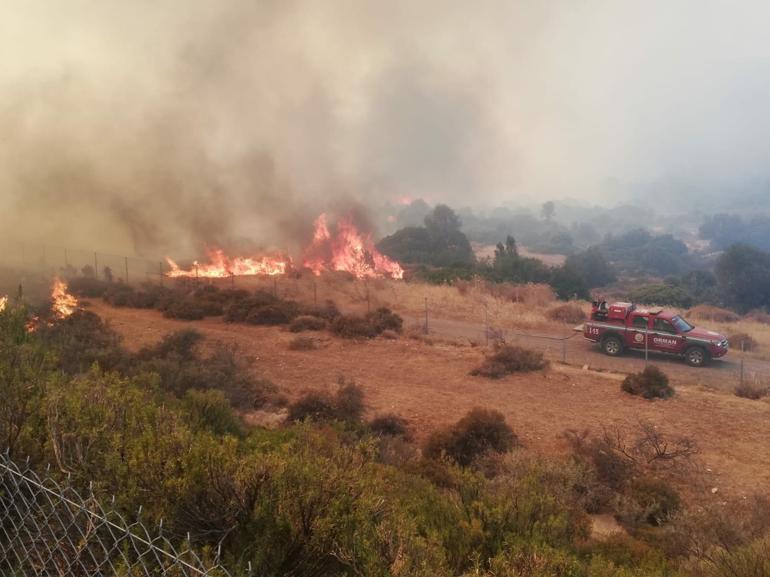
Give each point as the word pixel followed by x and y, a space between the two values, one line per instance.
pixel 714 490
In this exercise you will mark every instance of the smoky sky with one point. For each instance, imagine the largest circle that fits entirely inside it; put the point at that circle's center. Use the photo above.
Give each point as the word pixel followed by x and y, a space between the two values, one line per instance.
pixel 166 126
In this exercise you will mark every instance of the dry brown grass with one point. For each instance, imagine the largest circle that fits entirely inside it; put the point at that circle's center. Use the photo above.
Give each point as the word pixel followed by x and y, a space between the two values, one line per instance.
pixel 713 314
pixel 570 313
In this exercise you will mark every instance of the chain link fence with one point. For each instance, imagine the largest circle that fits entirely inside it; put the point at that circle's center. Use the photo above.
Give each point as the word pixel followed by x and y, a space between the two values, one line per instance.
pixel 48 529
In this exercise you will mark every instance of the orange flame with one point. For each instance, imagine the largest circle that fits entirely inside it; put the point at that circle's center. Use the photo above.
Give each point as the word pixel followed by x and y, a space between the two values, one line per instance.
pixel 64 304
pixel 348 250
pixel 3 303
pixel 222 266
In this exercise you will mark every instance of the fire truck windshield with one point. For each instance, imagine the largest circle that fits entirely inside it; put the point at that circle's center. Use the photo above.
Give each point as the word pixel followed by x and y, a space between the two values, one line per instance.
pixel 681 325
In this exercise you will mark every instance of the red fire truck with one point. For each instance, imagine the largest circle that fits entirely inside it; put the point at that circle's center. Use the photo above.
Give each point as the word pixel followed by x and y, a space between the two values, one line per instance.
pixel 623 326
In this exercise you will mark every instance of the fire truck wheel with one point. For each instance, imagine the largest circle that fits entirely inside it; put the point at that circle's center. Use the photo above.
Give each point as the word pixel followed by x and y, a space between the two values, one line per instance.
pixel 696 357
pixel 612 345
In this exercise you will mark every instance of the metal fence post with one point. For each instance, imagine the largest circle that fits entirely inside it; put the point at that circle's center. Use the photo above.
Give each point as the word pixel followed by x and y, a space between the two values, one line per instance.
pixel 126 262
pixel 160 271
pixel 564 351
pixel 425 329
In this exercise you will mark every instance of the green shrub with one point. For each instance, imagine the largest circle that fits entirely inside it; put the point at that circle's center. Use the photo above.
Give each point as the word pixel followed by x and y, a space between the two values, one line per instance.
pixel 477 433
pixel 651 383
pixel 383 319
pixel 346 404
pixel 88 287
pixel 663 295
pixel 390 425
pixel 186 309
pixel 656 501
pixel 278 313
pixel 509 359
pixel 212 411
pixel 353 327
pixel 307 323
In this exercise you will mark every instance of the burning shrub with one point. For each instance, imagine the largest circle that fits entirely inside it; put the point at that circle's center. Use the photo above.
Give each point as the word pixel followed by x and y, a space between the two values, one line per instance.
pixel 353 327
pixel 510 359
pixel 753 391
pixel 383 319
pixel 712 314
pixel 346 404
pixel 87 286
pixel 390 425
pixel 479 432
pixel 307 323
pixel 742 342
pixel 651 383
pixel 278 313
pixel 186 309
pixel 303 344
pixel 567 313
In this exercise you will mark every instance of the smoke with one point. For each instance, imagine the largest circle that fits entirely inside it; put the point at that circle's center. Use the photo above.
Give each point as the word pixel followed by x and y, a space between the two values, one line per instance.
pixel 167 126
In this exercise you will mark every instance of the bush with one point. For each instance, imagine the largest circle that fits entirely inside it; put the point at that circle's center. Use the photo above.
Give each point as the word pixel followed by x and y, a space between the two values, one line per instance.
pixel 742 342
pixel 753 391
pixel 239 306
pixel 188 310
pixel 567 313
pixel 278 313
pixel 479 432
pixel 87 286
pixel 651 383
pixel 389 425
pixel 181 343
pixel 307 323
pixel 353 327
pixel 510 359
pixel 383 319
pixel 712 314
pixel 662 294
pixel 328 311
pixel 346 404
pixel 656 501
pixel 303 344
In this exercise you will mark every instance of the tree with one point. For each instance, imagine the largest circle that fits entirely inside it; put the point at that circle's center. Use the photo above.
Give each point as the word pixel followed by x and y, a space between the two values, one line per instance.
pixel 548 210
pixel 442 222
pixel 743 277
pixel 592 266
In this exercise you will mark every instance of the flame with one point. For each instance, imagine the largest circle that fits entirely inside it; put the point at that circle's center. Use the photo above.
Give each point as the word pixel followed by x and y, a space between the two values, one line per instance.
pixel 348 250
pixel 3 303
pixel 222 266
pixel 64 304
pixel 404 200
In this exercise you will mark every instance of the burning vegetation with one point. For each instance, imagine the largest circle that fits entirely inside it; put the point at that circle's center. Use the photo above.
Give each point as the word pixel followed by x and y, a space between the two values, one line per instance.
pixel 63 303
pixel 346 250
pixel 3 303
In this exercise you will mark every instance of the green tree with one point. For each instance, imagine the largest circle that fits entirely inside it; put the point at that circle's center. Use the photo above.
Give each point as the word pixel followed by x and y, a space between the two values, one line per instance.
pixel 743 277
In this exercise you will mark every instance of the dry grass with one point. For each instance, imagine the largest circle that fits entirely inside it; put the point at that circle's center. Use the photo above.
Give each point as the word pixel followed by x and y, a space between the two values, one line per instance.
pixel 712 314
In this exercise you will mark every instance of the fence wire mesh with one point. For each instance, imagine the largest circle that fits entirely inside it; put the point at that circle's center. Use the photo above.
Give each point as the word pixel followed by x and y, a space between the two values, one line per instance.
pixel 48 528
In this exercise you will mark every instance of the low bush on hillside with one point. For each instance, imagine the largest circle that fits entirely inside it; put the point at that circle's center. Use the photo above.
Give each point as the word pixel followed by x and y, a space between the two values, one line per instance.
pixel 479 432
pixel 390 425
pixel 185 309
pixel 742 342
pixel 509 359
pixel 87 286
pixel 307 323
pixel 651 383
pixel 383 319
pixel 303 344
pixel 278 313
pixel 353 327
pixel 238 309
pixel 753 391
pixel 567 313
pixel 346 404
pixel 712 314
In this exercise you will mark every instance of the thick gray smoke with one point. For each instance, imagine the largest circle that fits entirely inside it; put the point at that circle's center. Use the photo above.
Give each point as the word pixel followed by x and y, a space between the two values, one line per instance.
pixel 163 126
